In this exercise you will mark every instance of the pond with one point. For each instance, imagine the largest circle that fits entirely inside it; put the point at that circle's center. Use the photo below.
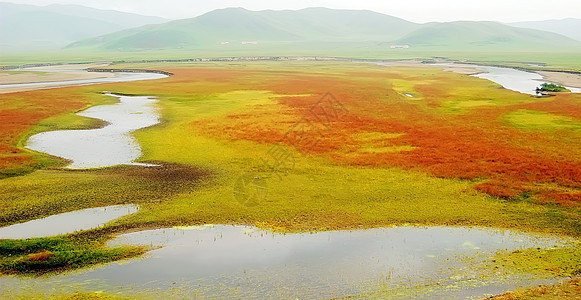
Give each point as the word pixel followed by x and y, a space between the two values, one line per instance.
pixel 103 147
pixel 67 222
pixel 244 262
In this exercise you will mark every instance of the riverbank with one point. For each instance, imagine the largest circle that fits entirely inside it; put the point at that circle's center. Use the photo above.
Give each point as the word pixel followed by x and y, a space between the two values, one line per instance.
pixel 562 78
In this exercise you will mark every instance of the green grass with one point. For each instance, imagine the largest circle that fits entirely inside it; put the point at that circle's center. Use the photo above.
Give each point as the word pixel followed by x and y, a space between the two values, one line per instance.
pixel 555 59
pixel 42 255
pixel 98 295
pixel 567 290
pixel 48 192
pixel 537 120
pixel 558 262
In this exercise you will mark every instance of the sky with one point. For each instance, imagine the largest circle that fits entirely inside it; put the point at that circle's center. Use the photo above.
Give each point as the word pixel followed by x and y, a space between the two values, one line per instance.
pixel 419 11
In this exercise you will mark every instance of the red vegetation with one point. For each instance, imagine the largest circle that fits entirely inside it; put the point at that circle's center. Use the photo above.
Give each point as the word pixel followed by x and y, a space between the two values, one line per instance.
pixel 20 112
pixel 475 144
pixel 499 189
pixel 41 256
pixel 569 199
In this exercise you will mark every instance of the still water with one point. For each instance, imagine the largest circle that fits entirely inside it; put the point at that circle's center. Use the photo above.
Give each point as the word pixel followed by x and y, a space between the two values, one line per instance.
pixel 220 261
pixel 67 222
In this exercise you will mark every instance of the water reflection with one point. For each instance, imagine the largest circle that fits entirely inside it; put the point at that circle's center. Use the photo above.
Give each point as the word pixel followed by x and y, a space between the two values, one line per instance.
pixel 108 146
pixel 222 261
pixel 67 223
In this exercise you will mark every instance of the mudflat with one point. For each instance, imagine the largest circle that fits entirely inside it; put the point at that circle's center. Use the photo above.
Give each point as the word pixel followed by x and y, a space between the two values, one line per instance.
pixel 568 79
pixel 48 74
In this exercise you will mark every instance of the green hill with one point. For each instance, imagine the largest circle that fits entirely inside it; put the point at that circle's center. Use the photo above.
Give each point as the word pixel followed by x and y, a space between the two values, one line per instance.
pixel 483 34
pixel 237 25
pixel 231 30
pixel 569 27
pixel 55 26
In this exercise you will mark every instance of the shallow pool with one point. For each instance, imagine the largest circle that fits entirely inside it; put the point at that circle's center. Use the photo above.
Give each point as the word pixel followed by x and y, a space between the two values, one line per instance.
pixel 67 222
pixel 244 262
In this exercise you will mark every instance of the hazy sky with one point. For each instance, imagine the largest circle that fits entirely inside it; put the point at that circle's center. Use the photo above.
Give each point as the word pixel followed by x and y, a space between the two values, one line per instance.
pixel 413 10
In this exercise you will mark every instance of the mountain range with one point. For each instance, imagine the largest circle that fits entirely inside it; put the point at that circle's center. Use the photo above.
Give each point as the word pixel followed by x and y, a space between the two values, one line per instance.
pixel 238 25
pixel 568 27
pixel 54 26
pixel 314 26
pixel 484 34
pixel 85 28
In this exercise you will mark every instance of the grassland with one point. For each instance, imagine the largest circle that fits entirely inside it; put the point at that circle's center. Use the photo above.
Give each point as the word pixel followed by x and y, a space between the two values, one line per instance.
pixel 462 151
pixel 569 290
pixel 528 57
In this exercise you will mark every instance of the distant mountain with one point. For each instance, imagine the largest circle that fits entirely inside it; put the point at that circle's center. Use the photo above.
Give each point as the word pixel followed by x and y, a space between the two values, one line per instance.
pixel 484 34
pixel 314 28
pixel 55 26
pixel 238 25
pixel 567 27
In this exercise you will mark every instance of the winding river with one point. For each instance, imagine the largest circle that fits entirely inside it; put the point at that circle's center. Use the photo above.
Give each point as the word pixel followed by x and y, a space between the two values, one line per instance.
pixel 103 147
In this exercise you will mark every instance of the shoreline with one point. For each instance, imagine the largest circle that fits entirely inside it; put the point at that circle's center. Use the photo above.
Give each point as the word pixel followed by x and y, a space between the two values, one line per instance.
pixel 45 76
pixel 63 75
pixel 570 79
pixel 562 78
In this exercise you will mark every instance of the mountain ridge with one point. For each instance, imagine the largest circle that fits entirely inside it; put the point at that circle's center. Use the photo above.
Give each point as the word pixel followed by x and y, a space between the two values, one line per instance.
pixel 234 29
pixel 483 33
pixel 570 27
pixel 55 26
pixel 239 25
pixel 315 26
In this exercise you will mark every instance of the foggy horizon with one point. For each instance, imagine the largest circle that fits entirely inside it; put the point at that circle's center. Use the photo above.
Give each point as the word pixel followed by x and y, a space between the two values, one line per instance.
pixel 418 11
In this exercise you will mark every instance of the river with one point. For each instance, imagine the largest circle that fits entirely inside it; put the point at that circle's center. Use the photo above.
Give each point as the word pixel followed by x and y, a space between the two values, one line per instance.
pixel 511 79
pixel 103 147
